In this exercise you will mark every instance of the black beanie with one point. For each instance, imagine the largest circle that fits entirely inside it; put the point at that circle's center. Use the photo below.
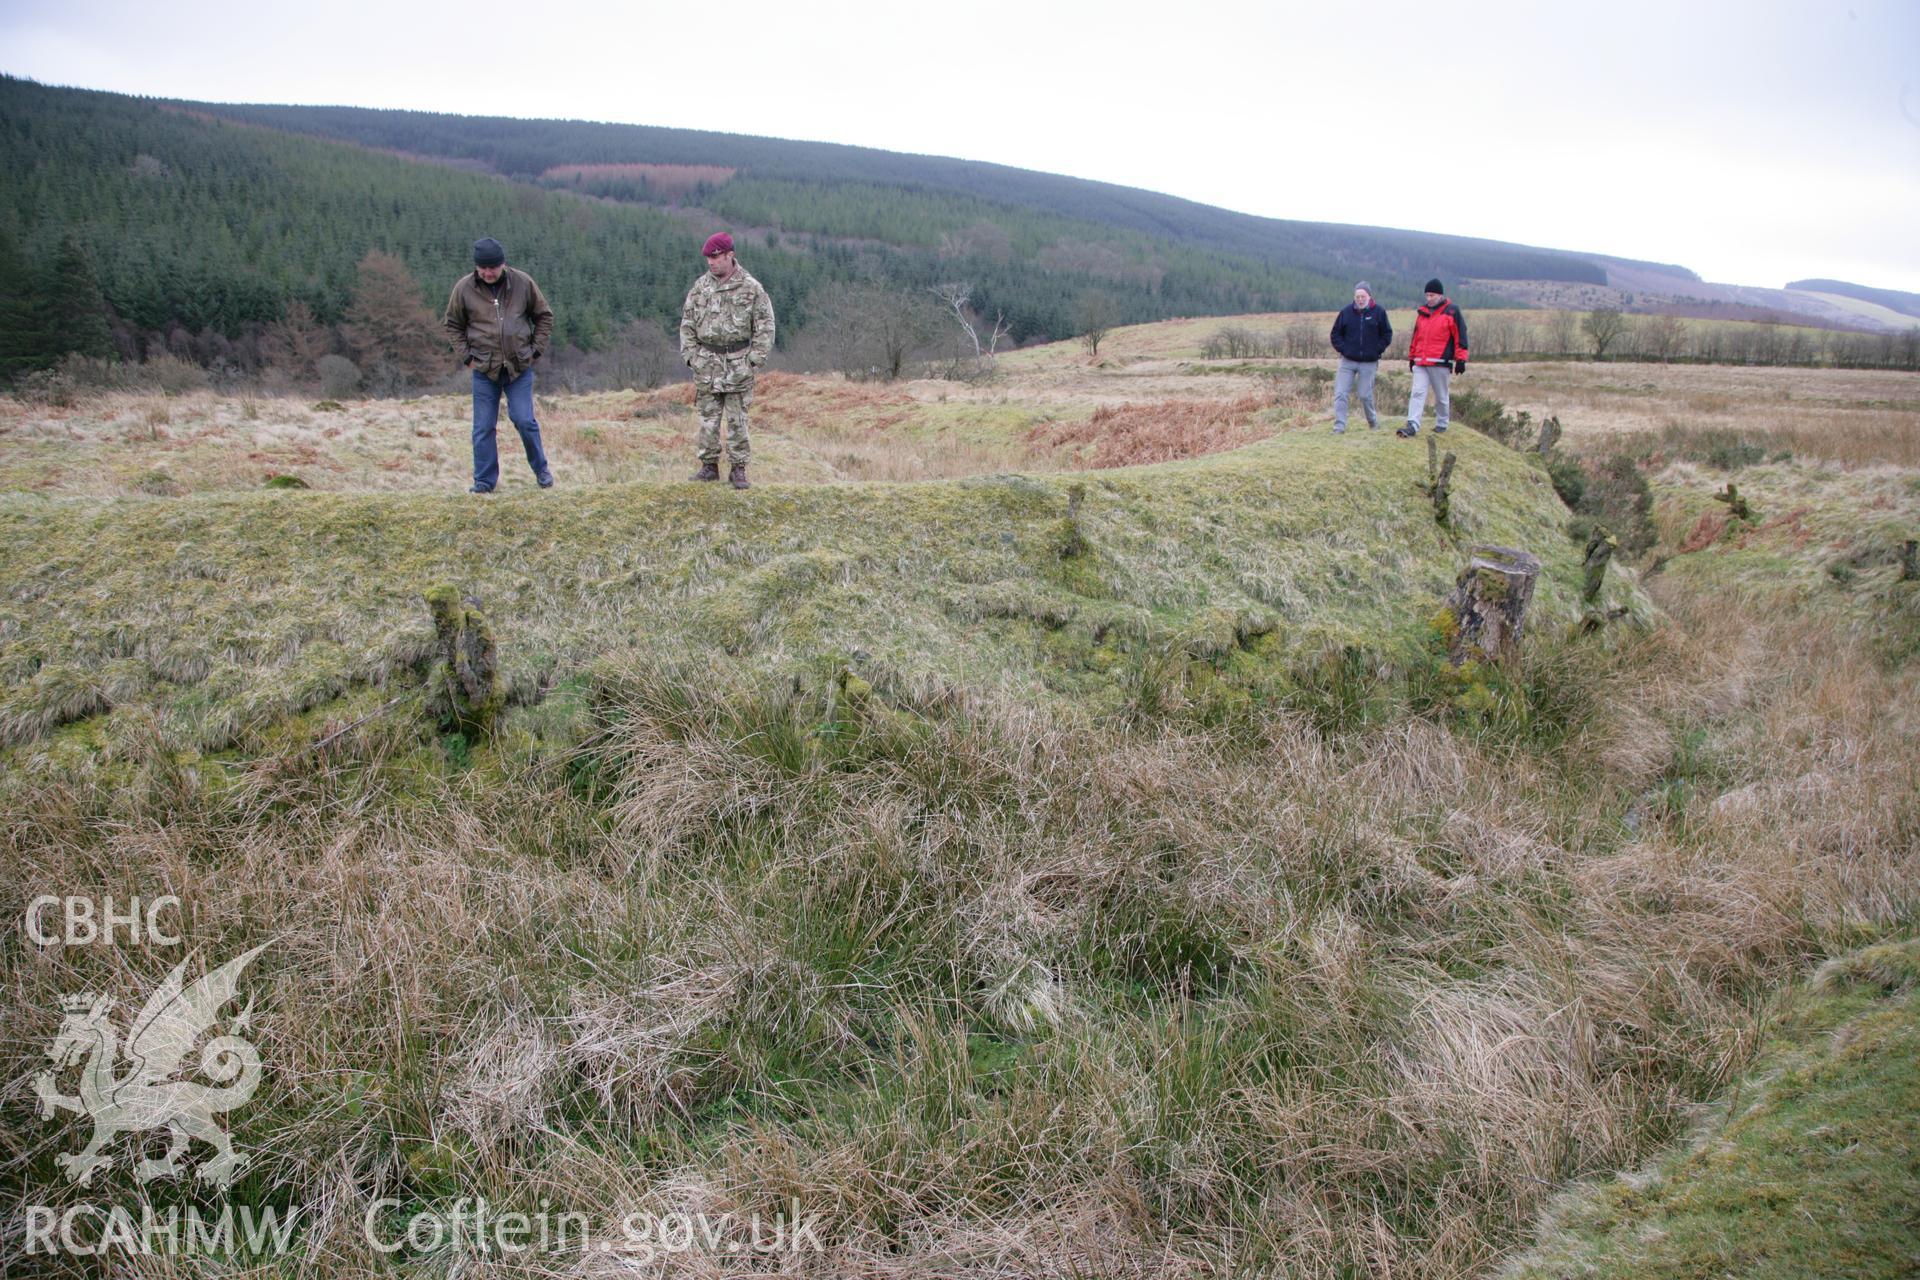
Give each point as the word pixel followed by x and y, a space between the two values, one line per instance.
pixel 488 253
pixel 1433 285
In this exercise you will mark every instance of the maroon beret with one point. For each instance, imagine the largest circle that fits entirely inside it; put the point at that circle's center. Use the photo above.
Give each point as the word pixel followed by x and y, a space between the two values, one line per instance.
pixel 718 242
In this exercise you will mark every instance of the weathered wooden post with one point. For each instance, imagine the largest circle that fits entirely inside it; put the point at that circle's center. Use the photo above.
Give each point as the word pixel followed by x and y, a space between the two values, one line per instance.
pixel 1070 540
pixel 1549 433
pixel 1910 561
pixel 1600 546
pixel 1489 604
pixel 464 688
pixel 1439 483
pixel 1736 505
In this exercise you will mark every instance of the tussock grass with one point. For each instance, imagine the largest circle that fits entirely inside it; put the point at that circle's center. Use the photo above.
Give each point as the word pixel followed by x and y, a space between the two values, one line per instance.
pixel 992 990
pixel 1822 540
pixel 1122 893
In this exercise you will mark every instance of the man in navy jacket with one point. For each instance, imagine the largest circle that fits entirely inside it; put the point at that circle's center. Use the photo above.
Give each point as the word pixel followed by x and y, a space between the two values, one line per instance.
pixel 1361 334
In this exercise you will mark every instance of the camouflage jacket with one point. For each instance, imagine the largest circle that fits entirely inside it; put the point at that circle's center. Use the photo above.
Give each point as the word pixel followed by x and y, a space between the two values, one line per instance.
pixel 501 331
pixel 726 330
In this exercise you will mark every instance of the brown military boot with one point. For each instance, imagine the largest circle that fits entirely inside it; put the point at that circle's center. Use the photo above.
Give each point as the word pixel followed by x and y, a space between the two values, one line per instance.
pixel 707 471
pixel 738 475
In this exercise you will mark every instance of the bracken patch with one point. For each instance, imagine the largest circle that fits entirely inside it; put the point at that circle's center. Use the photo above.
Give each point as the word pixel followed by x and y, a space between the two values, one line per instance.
pixel 1129 434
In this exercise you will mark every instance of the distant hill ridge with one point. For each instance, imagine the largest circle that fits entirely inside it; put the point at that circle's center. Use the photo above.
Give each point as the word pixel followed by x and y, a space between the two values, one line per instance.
pixel 1907 304
pixel 215 218
pixel 528 149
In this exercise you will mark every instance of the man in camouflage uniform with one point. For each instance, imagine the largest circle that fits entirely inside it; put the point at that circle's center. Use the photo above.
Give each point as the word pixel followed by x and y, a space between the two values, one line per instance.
pixel 726 332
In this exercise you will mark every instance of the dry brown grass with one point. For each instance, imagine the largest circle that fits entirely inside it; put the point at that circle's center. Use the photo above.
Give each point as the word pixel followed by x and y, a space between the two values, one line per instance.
pixel 806 430
pixel 1452 972
pixel 1126 435
pixel 992 990
pixel 1847 416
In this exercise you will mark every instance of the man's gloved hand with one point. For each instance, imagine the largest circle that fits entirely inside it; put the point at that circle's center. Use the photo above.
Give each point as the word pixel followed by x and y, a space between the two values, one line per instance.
pixel 1459 366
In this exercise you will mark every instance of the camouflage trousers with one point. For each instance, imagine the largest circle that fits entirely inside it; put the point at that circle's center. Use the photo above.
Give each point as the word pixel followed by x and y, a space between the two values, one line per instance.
pixel 732 405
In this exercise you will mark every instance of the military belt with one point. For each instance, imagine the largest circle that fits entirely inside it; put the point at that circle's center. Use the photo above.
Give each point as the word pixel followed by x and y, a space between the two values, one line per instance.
pixel 735 349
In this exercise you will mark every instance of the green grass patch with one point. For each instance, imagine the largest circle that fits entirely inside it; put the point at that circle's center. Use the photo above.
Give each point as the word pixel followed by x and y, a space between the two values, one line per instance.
pixel 227 612
pixel 1811 1169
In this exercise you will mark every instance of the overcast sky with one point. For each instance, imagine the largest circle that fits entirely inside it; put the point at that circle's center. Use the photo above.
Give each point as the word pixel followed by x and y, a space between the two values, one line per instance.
pixel 1757 142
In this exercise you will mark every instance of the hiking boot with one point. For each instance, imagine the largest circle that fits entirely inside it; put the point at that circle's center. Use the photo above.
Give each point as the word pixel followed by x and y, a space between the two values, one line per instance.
pixel 477 489
pixel 737 476
pixel 707 471
pixel 1407 432
pixel 546 479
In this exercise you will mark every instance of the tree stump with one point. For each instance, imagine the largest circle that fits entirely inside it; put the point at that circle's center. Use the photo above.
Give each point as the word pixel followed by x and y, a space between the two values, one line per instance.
pixel 464 688
pixel 1489 604
pixel 1549 434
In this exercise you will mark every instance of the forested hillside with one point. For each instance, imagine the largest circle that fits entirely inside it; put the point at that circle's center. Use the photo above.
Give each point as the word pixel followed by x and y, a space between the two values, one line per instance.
pixel 138 223
pixel 196 222
pixel 828 188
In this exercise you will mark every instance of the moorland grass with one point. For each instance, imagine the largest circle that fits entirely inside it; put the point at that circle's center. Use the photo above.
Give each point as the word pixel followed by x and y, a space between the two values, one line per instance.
pixel 988 988
pixel 1019 886
pixel 226 613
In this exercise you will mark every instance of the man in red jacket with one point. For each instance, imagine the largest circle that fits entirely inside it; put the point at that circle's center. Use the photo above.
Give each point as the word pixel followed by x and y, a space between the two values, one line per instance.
pixel 1437 352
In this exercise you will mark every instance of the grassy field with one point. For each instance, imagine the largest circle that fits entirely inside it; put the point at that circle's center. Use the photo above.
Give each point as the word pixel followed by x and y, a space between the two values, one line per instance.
pixel 1034 832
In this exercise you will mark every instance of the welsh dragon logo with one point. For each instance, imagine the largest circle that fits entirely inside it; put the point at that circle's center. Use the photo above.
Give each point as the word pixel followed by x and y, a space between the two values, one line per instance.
pixel 146 1095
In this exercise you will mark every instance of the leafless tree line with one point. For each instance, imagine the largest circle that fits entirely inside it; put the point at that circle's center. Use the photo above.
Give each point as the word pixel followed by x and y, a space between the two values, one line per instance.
pixel 1603 334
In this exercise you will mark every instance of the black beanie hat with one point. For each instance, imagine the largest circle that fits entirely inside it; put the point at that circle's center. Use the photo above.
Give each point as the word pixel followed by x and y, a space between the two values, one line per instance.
pixel 488 253
pixel 1433 285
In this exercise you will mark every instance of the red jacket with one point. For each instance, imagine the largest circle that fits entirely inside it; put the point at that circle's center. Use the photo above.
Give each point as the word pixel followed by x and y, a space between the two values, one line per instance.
pixel 1439 335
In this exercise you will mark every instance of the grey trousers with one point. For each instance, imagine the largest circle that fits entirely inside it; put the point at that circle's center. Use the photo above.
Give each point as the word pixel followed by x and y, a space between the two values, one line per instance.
pixel 1436 376
pixel 1354 375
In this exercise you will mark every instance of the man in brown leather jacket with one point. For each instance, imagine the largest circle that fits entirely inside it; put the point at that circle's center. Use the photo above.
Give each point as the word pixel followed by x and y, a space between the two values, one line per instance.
pixel 500 323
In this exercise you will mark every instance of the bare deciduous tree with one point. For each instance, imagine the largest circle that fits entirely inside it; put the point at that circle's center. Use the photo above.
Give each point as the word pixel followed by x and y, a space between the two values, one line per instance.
pixel 1661 336
pixel 1492 336
pixel 1560 330
pixel 1097 314
pixel 872 331
pixel 294 343
pixel 1603 327
pixel 647 356
pixel 397 341
pixel 957 297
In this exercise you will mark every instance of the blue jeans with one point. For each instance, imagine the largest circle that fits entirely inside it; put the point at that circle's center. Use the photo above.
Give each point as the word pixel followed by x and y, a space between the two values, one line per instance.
pixel 486 416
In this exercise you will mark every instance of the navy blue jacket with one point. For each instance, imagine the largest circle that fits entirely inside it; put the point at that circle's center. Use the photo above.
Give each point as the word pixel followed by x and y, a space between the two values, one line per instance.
pixel 1362 335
